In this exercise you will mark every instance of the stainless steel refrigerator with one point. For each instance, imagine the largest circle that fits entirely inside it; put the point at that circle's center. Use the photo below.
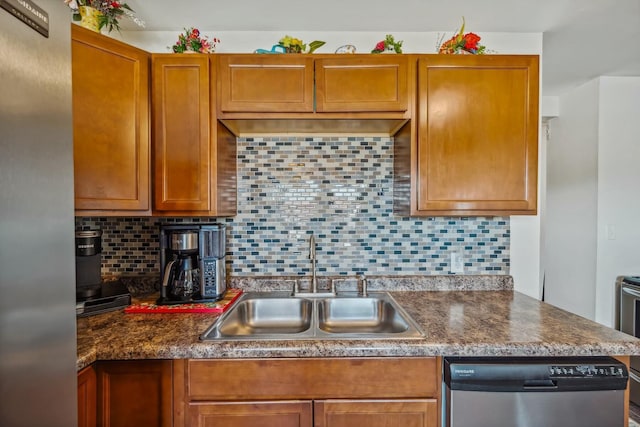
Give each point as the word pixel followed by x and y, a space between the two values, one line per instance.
pixel 37 272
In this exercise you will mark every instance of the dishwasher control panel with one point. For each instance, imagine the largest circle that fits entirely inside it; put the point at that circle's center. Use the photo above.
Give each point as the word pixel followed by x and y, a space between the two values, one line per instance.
pixel 585 371
pixel 534 374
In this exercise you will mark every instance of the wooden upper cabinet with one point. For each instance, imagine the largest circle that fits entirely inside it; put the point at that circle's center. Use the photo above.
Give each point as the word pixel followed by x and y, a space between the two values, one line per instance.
pixel 373 83
pixel 477 151
pixel 194 155
pixel 181 132
pixel 265 83
pixel 111 142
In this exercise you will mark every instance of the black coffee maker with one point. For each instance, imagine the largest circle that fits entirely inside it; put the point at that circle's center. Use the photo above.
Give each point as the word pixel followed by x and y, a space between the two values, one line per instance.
pixel 94 295
pixel 88 263
pixel 181 280
pixel 192 262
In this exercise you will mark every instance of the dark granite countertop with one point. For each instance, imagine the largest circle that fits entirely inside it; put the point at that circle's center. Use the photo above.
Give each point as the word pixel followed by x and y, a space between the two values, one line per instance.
pixel 463 315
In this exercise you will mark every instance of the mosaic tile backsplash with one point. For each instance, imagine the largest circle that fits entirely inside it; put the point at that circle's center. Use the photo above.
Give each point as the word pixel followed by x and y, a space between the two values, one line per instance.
pixel 338 188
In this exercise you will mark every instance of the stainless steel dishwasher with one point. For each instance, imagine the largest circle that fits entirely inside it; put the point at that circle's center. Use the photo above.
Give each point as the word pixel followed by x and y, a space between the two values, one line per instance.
pixel 533 392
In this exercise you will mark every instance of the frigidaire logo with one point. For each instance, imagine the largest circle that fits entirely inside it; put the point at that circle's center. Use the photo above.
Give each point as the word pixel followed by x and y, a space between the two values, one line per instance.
pixel 465 371
pixel 35 12
pixel 85 246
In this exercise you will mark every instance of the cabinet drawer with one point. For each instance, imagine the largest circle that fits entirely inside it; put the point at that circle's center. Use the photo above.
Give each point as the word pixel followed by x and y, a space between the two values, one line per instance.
pixel 376 413
pixel 225 380
pixel 250 414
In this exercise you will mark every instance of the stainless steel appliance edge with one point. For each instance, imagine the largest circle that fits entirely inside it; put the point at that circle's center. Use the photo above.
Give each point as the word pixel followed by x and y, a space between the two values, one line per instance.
pixel 38 378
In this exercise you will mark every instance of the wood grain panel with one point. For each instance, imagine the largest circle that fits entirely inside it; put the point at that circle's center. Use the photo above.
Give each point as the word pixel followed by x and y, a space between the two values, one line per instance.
pixel 261 379
pixel 265 83
pixel 362 83
pixel 135 393
pixel 252 414
pixel 478 135
pixel 182 153
pixel 87 400
pixel 376 413
pixel 111 124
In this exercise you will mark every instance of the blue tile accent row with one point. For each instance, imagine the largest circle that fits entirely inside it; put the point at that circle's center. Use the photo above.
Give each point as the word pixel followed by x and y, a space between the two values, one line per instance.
pixel 338 188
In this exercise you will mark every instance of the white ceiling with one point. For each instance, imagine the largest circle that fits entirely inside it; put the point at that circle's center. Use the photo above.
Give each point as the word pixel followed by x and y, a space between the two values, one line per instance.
pixel 582 39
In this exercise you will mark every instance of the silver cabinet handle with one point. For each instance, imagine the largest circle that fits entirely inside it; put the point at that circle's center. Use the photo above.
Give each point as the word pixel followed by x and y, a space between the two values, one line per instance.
pixel 631 292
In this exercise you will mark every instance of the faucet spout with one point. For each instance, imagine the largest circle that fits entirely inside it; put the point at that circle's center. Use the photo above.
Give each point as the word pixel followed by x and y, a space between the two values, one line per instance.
pixel 312 257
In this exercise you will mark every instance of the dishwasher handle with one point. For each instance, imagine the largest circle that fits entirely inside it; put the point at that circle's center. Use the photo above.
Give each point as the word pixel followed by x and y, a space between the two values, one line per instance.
pixel 541 385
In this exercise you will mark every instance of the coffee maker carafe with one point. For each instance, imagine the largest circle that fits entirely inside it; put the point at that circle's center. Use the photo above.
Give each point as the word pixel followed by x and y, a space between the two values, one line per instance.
pixel 181 279
pixel 192 263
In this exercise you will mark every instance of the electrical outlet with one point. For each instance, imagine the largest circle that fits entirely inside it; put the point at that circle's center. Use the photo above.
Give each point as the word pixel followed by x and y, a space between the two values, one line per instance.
pixel 611 231
pixel 457 263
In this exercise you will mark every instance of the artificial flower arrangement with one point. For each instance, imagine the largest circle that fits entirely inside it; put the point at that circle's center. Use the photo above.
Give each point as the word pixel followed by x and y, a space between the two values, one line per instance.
pixel 294 45
pixel 110 12
pixel 388 45
pixel 462 43
pixel 192 41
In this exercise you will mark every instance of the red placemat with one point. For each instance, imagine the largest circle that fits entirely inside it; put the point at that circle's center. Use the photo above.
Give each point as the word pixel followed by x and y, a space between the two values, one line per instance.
pixel 201 307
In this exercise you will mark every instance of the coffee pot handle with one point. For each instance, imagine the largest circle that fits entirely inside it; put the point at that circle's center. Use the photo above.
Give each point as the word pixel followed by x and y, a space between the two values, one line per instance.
pixel 168 278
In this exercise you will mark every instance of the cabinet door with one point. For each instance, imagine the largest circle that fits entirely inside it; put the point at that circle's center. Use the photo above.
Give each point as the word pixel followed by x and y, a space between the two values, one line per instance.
pixel 265 83
pixel 182 154
pixel 478 135
pixel 87 397
pixel 251 414
pixel 372 413
pixel 362 84
pixel 134 393
pixel 110 124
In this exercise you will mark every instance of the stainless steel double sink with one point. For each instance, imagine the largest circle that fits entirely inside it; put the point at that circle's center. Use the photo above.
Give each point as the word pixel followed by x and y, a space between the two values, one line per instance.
pixel 280 316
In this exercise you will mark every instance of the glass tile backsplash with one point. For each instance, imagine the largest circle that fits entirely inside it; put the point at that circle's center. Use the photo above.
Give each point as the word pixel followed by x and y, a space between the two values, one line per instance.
pixel 338 188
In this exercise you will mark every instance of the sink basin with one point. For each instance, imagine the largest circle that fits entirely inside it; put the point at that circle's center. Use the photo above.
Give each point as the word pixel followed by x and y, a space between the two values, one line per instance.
pixel 280 316
pixel 360 315
pixel 255 316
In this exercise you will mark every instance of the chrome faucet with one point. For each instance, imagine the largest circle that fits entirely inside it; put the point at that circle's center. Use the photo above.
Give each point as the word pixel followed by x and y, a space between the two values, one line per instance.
pixel 312 257
pixel 313 288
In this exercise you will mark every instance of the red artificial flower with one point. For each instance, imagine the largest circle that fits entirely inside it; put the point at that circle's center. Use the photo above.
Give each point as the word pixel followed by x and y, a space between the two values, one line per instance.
pixel 471 41
pixel 195 33
pixel 380 46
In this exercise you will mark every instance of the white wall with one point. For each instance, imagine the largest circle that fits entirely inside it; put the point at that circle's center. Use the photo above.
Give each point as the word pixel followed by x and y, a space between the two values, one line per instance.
pixel 593 196
pixel 413 42
pixel 618 189
pixel 525 230
pixel 569 255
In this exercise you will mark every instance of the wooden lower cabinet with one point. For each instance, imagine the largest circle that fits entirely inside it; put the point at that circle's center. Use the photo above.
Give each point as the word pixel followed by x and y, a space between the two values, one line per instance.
pixel 322 413
pixel 87 397
pixel 323 392
pixel 376 413
pixel 251 414
pixel 135 393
